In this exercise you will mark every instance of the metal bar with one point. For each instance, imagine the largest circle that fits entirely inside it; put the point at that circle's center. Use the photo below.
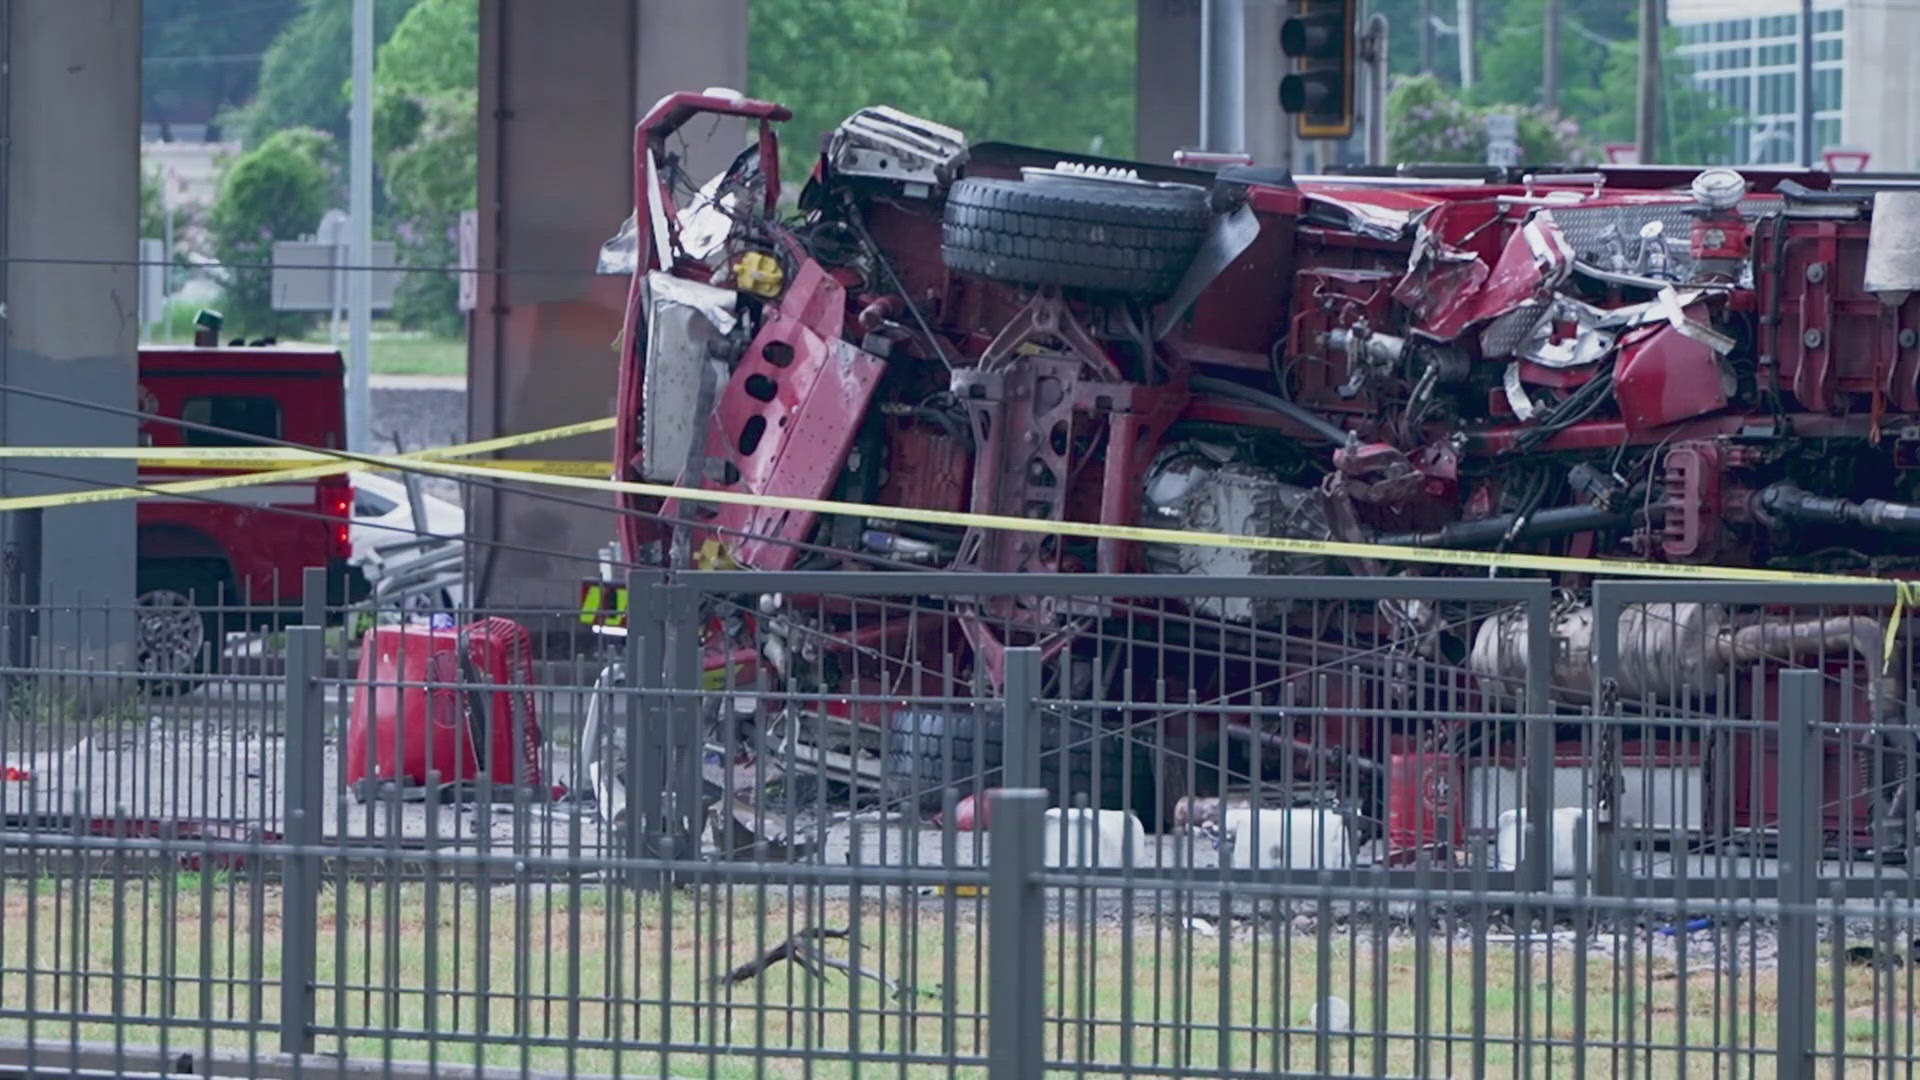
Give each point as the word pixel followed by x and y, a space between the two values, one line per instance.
pixel 1154 586
pixel 1801 734
pixel 1016 927
pixel 313 597
pixel 1647 111
pixel 1021 753
pixel 1223 74
pixel 1376 41
pixel 301 812
pixel 1810 594
pixel 680 608
pixel 1608 599
pixel 645 783
pixel 360 230
pixel 1808 148
pixel 1539 724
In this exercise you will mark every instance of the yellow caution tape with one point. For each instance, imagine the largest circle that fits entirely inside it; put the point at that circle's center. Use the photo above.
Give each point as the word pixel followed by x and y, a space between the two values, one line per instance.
pixel 1147 535
pixel 262 459
pixel 1906 594
pixel 434 461
pixel 335 466
pixel 517 465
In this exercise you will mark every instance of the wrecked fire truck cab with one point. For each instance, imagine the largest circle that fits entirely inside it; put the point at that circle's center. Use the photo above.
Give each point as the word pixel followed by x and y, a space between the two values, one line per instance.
pixel 1701 366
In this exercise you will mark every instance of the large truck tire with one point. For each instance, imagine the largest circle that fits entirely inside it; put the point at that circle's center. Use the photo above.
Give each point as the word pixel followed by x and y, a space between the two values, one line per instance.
pixel 931 752
pixel 1134 240
pixel 180 626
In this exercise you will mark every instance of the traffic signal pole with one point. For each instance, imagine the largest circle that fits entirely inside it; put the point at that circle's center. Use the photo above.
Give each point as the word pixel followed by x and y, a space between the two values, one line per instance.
pixel 1223 75
pixel 1374 52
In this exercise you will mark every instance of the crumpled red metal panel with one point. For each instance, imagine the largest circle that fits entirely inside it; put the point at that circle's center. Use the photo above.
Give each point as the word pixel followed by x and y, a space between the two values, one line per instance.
pixel 1536 259
pixel 1449 289
pixel 1664 376
pixel 1442 290
pixel 785 422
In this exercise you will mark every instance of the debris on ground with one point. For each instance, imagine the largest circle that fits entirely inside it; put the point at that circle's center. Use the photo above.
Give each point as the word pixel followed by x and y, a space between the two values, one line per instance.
pixel 803 950
pixel 730 825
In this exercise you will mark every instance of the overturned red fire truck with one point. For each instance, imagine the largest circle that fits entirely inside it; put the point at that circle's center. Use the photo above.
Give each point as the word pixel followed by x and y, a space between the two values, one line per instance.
pixel 1676 366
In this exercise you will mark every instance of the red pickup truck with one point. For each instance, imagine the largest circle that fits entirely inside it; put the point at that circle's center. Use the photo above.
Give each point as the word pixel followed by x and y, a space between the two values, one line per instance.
pixel 233 560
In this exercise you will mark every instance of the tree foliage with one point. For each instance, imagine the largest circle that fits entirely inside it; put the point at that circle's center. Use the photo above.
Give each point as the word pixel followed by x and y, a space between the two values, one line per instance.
pixel 305 72
pixel 276 191
pixel 200 58
pixel 153 207
pixel 1053 74
pixel 1427 123
pixel 1599 81
pixel 425 133
pixel 435 47
pixel 1599 63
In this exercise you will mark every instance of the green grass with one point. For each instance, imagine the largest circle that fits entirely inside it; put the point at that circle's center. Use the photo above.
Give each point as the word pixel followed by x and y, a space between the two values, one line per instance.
pixel 551 966
pixel 400 352
pixel 394 351
pixel 47 701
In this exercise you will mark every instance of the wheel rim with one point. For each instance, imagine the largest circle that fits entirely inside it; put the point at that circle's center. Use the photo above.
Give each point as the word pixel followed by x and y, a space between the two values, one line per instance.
pixel 172 632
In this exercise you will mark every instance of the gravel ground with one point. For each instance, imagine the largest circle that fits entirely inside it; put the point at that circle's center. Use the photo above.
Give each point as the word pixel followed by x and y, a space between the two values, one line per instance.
pixel 424 411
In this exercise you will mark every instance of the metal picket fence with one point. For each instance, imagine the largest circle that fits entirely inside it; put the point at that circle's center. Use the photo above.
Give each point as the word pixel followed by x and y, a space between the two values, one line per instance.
pixel 1237 827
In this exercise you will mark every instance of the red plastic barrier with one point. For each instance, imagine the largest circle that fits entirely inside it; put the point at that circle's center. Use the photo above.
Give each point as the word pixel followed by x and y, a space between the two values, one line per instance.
pixel 1425 808
pixel 407 721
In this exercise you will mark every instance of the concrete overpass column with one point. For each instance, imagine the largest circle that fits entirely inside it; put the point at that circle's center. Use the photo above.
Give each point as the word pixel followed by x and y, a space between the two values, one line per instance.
pixel 69 190
pixel 561 88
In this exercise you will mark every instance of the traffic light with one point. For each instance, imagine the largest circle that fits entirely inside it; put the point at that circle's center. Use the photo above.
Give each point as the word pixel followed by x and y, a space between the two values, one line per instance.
pixel 1320 36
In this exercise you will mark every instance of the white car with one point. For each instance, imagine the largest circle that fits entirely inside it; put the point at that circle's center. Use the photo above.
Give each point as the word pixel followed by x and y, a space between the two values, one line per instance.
pixel 405 566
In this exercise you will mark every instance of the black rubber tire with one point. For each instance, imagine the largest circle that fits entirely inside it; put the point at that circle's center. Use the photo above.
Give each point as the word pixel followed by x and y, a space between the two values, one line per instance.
pixel 1112 238
pixel 204 586
pixel 930 752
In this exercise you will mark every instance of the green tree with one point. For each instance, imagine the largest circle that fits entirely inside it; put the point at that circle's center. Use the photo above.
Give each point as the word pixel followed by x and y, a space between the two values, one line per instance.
pixel 425 136
pixel 1428 123
pixel 276 191
pixel 198 59
pixel 305 72
pixel 1599 70
pixel 1599 80
pixel 1059 75
pixel 435 47
pixel 153 207
pixel 826 58
pixel 1054 74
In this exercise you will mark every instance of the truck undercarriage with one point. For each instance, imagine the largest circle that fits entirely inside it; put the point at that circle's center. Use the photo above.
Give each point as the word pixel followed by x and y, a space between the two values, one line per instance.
pixel 1699 367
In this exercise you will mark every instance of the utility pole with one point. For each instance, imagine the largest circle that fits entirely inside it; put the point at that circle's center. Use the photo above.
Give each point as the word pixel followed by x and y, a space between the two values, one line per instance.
pixel 360 230
pixel 1223 75
pixel 1550 67
pixel 1463 15
pixel 1374 42
pixel 1426 37
pixel 1645 130
pixel 1806 84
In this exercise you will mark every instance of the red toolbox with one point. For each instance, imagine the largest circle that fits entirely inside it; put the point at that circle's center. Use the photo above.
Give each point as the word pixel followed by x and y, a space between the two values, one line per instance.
pixel 452 701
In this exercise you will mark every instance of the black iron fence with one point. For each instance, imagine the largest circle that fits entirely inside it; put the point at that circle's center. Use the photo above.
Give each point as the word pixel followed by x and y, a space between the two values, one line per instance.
pixel 915 824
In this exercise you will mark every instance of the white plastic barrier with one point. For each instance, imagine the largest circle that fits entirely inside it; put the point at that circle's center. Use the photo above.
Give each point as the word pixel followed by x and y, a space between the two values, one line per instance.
pixel 1094 839
pixel 1662 797
pixel 1287 839
pixel 1509 843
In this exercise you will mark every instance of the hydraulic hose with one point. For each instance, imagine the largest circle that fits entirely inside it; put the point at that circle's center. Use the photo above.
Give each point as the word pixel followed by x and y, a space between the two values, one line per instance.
pixel 1543 524
pixel 1334 433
